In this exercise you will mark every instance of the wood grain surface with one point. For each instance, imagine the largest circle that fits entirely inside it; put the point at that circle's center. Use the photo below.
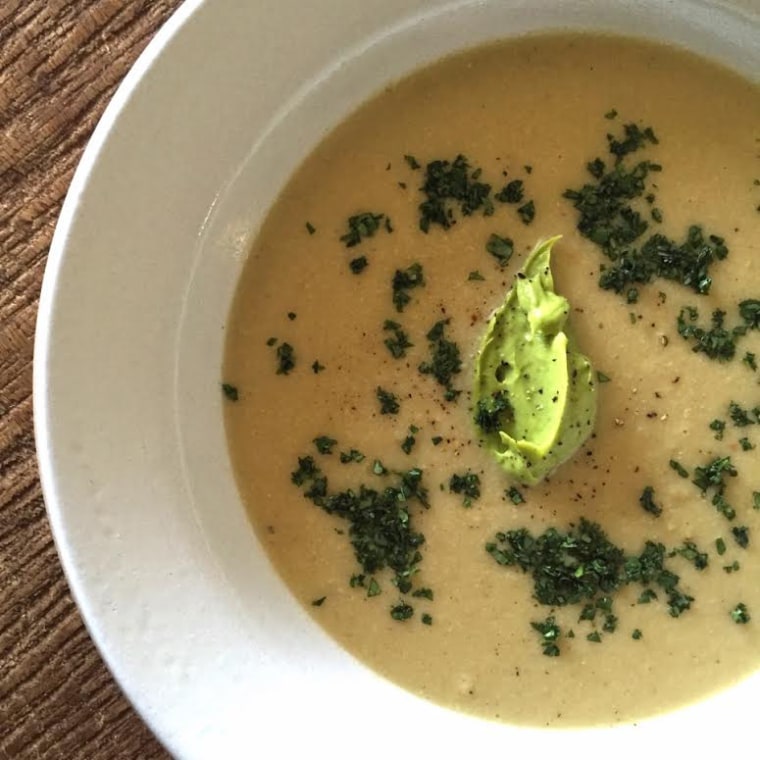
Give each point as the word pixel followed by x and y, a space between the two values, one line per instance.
pixel 60 62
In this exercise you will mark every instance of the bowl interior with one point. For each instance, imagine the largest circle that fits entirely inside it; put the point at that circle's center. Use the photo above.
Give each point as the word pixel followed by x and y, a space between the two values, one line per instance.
pixel 176 589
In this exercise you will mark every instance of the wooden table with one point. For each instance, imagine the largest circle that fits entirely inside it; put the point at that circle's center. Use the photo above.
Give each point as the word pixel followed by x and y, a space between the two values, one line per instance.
pixel 60 62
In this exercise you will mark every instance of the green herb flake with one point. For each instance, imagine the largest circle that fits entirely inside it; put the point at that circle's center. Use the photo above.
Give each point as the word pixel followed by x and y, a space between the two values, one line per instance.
pixel 389 403
pixel 679 468
pixel 427 618
pixel 690 552
pixel 449 185
pixel 445 360
pixel 740 614
pixel 741 535
pixel 324 444
pixel 515 496
pixel 749 311
pixel 286 359
pixel 310 228
pixel 423 593
pixel 718 427
pixel 230 392
pixel 374 588
pixel 402 611
pixel 646 500
pixel 398 341
pixel 501 248
pixel 318 602
pixel 636 635
pixel 512 192
pixel 408 444
pixel 716 342
pixel 316 367
pixel 353 455
pixel 412 162
pixel 611 114
pixel 360 227
pixel 739 416
pixel 720 546
pixel 756 500
pixel 358 265
pixel 403 281
pixel 436 440
pixel 594 637
pixel 550 633
pixel 527 212
pixel 750 360
pixel 475 276
pixel 492 413
pixel 646 596
pixel 746 444
pixel 378 468
pixel 468 485
pixel 601 377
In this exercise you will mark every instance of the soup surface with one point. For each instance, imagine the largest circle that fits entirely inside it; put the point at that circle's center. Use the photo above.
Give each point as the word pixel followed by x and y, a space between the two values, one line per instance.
pixel 307 357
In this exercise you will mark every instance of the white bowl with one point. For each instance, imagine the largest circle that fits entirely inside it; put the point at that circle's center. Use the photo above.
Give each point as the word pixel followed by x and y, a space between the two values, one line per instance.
pixel 205 639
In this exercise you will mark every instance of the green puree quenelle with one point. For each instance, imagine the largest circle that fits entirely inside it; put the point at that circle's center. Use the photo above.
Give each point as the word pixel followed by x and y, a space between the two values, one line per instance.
pixel 534 391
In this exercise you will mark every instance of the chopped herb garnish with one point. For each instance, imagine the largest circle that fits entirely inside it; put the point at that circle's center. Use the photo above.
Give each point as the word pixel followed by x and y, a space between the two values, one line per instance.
pixel 740 417
pixel 746 444
pixel 398 342
pixel 427 618
pixel 436 439
pixel 732 568
pixel 741 535
pixel 515 496
pixel 316 367
pixel 595 637
pixel 324 444
pixel 408 444
pixel 637 634
pixel 756 500
pixel 475 276
pixel 451 184
pixel 271 341
pixel 292 315
pixel 740 614
pixel 611 114
pixel 750 360
pixel 423 593
pixel 374 588
pixel 402 611
pixel 358 265
pixel 501 248
pixel 601 377
pixel 646 596
pixel 445 360
pixel 550 633
pixel 712 476
pixel 230 392
pixel 720 546
pixel 749 311
pixel 286 358
pixel 716 341
pixel 378 468
pixel 718 426
pixel 310 228
pixel 412 162
pixel 468 485
pixel 527 212
pixel 318 602
pixel 351 456
pixel 646 500
pixel 388 401
pixel 690 551
pixel 679 468
pixel 512 192
pixel 361 226
pixel 491 413
pixel 403 281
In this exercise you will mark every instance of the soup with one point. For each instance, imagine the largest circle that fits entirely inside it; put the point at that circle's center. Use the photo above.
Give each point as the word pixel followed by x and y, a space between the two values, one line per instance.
pixel 350 362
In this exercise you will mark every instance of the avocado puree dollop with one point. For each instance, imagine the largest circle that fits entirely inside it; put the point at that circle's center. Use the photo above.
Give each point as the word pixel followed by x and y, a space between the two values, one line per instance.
pixel 534 391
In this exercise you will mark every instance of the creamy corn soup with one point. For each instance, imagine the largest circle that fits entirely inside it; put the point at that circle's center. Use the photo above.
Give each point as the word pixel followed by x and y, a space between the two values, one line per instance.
pixel 350 367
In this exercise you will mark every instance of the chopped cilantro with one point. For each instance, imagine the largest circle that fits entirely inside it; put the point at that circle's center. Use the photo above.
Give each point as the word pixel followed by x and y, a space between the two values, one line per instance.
pixel 374 588
pixel 436 439
pixel 741 535
pixel 468 485
pixel 324 444
pixel 451 184
pixel 398 342
pixel 360 226
pixel 595 637
pixel 230 392
pixel 286 358
pixel 402 611
pixel 602 378
pixel 351 456
pixel 732 568
pixel 716 342
pixel 690 551
pixel 475 276
pixel 718 426
pixel 749 311
pixel 423 593
pixel 646 500
pixel 408 444
pixel 512 192
pixel 750 360
pixel 636 634
pixel 740 417
pixel 746 444
pixel 427 618
pixel 357 580
pixel 403 281
pixel 756 500
pixel 679 468
pixel 491 412
pixel 515 496
pixel 550 633
pixel 501 248
pixel 445 360
pixel 358 265
pixel 527 212
pixel 720 546
pixel 388 401
pixel 712 476
pixel 740 614
pixel 271 341
pixel 646 596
